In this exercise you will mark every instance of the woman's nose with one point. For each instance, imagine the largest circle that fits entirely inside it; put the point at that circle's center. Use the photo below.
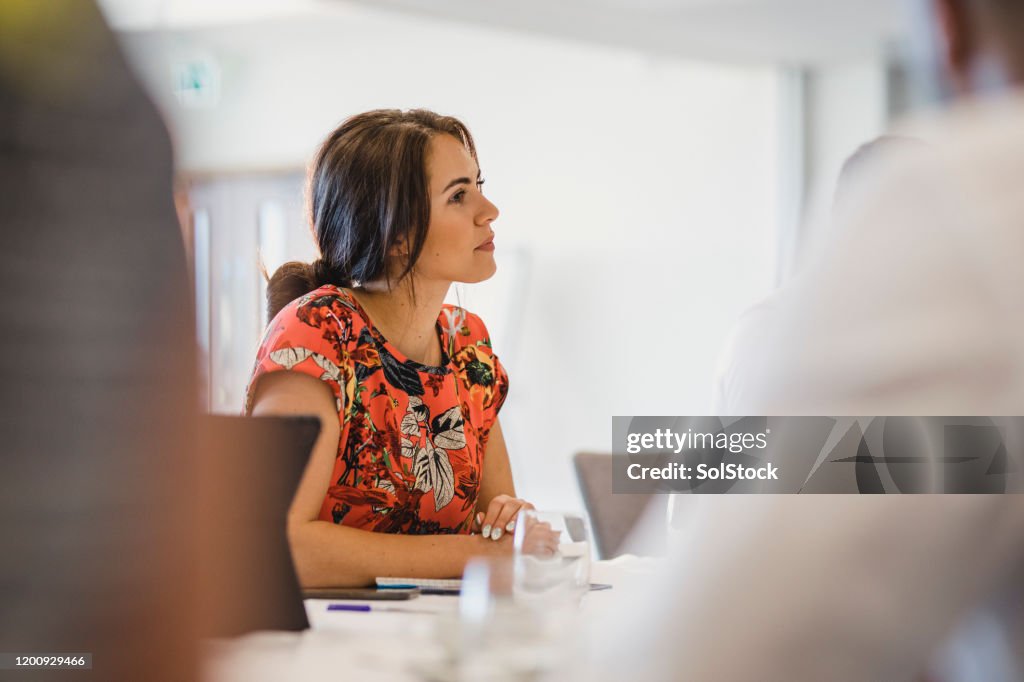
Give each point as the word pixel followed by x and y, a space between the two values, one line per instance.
pixel 489 212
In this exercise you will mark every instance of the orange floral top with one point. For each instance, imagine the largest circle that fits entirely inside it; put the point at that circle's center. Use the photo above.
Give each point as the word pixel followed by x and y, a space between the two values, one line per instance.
pixel 412 436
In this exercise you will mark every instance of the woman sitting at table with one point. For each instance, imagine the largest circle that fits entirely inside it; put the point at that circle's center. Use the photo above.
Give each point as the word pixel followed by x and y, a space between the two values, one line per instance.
pixel 410 460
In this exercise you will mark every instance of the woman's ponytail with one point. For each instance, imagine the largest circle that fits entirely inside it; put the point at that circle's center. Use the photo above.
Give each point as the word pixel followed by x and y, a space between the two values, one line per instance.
pixel 290 281
pixel 295 279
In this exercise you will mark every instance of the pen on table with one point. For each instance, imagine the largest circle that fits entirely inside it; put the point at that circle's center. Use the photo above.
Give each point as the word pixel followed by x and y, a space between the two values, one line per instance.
pixel 348 607
pixel 366 608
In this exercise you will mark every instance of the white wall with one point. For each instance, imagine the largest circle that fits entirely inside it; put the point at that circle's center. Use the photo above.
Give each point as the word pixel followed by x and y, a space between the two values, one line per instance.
pixel 847 106
pixel 639 196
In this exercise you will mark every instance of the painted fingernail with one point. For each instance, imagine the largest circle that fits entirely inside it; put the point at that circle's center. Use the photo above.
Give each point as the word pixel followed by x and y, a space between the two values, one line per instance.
pixel 496 534
pixel 479 518
pixel 511 526
pixel 486 532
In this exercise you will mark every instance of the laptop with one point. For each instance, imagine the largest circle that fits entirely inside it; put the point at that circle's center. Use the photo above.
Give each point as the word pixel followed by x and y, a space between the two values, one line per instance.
pixel 250 469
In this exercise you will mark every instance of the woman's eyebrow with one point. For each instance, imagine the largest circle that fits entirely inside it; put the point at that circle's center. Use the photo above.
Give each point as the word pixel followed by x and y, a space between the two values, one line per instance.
pixel 456 181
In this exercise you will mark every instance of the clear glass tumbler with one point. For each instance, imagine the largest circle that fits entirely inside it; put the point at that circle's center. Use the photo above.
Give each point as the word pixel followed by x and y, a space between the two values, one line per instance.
pixel 552 558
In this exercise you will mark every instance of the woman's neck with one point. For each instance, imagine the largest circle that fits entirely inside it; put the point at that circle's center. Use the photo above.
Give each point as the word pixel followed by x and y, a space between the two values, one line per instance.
pixel 409 326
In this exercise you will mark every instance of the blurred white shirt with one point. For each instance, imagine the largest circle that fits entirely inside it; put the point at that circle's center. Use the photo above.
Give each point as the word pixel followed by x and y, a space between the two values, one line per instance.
pixel 729 393
pixel 915 308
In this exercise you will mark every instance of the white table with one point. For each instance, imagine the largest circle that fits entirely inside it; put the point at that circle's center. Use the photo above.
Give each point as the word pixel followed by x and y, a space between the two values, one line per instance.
pixel 379 645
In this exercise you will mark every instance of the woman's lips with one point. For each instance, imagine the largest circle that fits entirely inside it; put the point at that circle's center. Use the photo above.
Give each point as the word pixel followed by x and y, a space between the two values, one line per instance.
pixel 487 245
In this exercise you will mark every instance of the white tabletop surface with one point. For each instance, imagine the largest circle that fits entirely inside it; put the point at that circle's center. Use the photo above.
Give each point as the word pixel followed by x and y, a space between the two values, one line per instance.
pixel 381 645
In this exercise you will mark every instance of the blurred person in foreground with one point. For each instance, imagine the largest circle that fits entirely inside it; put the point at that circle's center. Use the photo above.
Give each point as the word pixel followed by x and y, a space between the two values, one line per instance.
pixel 97 364
pixel 914 309
pixel 731 380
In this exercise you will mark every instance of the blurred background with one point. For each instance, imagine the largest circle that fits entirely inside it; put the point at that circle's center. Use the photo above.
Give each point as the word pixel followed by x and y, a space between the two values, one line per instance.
pixel 654 162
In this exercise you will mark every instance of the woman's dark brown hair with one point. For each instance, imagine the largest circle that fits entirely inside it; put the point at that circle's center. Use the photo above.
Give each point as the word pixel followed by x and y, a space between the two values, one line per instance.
pixel 368 189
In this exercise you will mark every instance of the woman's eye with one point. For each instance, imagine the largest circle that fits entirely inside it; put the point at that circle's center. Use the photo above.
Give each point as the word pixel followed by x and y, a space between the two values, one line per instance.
pixel 458 197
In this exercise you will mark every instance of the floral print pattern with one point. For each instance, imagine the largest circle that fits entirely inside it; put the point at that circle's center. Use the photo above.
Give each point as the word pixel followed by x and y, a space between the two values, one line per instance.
pixel 413 437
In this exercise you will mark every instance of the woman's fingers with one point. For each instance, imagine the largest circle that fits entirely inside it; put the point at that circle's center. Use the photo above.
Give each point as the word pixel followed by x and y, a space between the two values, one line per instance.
pixel 510 524
pixel 493 509
pixel 506 520
pixel 500 519
pixel 500 516
pixel 500 512
pixel 540 540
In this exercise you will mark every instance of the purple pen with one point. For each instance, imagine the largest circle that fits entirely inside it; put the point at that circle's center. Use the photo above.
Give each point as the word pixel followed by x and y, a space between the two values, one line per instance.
pixel 348 607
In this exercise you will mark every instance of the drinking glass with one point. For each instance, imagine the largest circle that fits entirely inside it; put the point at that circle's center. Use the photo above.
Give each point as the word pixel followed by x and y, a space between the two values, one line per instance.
pixel 491 638
pixel 552 558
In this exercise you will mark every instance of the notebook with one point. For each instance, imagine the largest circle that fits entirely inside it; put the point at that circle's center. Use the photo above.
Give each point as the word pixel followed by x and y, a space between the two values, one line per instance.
pixel 444 586
pixel 425 585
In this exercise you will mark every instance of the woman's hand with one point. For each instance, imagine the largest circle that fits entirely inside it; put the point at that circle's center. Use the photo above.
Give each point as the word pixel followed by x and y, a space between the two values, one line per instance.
pixel 539 539
pixel 500 517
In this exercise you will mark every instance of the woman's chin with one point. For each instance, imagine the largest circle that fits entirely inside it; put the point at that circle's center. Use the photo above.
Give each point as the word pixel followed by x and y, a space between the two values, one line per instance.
pixel 480 274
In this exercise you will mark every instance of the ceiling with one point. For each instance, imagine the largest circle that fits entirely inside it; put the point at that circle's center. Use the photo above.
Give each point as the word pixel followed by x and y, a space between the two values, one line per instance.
pixel 787 31
pixel 731 30
pixel 148 15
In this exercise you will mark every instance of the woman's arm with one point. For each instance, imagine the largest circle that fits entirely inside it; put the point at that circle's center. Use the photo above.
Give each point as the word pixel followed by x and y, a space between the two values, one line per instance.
pixel 497 504
pixel 329 555
pixel 496 478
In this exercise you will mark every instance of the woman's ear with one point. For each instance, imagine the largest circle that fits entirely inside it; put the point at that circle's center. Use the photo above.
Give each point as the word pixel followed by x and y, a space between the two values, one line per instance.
pixel 400 249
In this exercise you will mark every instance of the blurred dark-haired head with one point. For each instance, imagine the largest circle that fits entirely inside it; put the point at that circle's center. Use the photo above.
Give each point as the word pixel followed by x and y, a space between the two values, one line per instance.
pixel 970 47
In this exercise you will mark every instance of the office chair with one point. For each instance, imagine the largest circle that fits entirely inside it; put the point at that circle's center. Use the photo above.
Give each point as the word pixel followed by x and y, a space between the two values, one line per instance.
pixel 612 516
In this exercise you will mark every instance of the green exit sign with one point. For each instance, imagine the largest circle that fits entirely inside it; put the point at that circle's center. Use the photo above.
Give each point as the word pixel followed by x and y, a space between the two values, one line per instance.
pixel 197 82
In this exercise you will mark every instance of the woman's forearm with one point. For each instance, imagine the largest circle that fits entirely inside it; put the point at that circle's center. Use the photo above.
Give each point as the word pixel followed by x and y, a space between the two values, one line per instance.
pixel 329 555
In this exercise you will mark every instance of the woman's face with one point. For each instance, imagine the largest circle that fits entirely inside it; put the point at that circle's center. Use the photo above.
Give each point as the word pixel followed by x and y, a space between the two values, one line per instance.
pixel 460 242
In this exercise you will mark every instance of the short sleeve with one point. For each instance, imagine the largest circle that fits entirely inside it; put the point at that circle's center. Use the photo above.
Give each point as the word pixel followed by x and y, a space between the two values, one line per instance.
pixel 308 336
pixel 480 373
